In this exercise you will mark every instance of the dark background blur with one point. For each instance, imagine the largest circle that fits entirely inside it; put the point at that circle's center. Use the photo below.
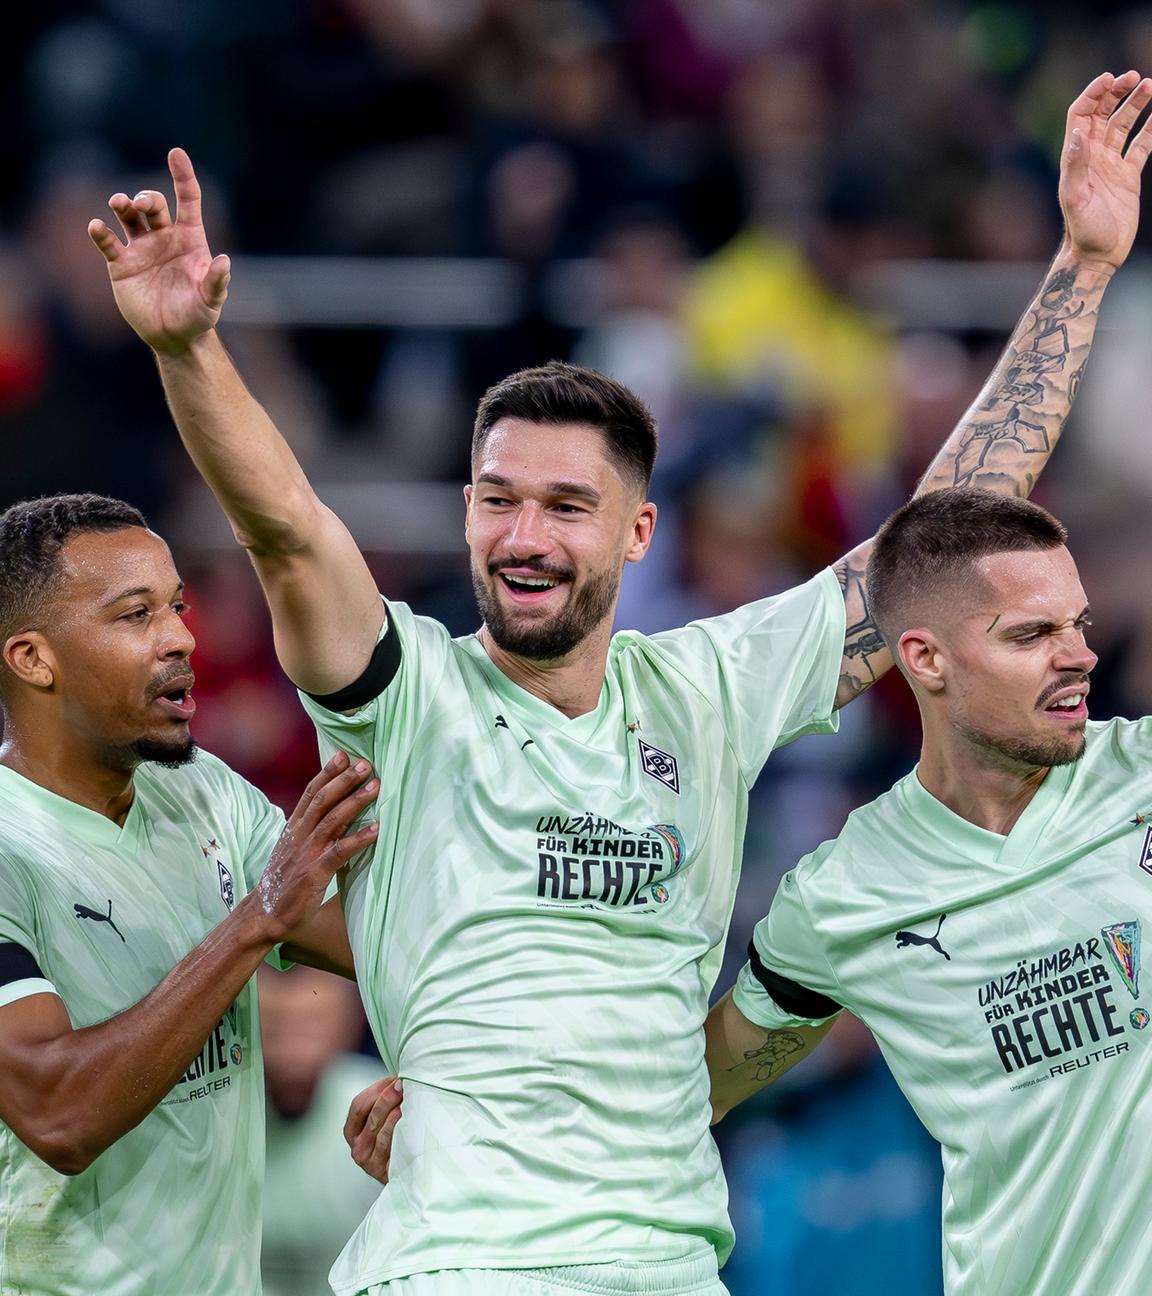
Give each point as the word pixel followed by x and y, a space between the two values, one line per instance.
pixel 801 229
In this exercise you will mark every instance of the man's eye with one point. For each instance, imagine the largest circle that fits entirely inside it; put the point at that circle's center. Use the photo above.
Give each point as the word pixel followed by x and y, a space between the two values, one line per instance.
pixel 180 608
pixel 137 614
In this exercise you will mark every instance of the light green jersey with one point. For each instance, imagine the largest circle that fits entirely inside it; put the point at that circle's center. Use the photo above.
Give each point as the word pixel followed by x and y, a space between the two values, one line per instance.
pixel 1002 979
pixel 538 929
pixel 173 1207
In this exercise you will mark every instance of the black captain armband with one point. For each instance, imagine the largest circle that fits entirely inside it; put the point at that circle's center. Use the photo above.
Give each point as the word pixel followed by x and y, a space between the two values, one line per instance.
pixel 16 964
pixel 375 678
pixel 794 999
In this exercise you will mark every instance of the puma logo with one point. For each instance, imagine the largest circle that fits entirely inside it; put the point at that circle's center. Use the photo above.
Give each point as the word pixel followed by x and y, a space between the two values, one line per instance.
pixel 82 911
pixel 906 938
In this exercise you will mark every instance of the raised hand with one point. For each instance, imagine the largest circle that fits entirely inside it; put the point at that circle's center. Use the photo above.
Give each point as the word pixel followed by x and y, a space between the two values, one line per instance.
pixel 167 284
pixel 313 844
pixel 1099 176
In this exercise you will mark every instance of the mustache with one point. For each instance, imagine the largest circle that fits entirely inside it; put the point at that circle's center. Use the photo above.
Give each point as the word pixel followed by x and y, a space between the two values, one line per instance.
pixel 161 683
pixel 1052 689
pixel 541 569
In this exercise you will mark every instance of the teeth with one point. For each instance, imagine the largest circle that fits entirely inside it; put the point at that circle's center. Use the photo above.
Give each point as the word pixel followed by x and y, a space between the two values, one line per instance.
pixel 531 584
pixel 1069 703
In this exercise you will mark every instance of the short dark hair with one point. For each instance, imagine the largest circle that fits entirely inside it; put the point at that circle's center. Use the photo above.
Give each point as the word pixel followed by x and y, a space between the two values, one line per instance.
pixel 558 393
pixel 32 534
pixel 937 538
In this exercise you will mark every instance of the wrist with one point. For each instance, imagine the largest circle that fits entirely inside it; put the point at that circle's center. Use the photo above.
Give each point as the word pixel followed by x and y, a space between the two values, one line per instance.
pixel 176 351
pixel 256 925
pixel 1089 270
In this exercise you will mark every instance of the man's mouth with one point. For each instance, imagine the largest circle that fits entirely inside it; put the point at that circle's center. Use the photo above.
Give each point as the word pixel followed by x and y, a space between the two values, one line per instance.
pixel 1069 703
pixel 176 699
pixel 529 587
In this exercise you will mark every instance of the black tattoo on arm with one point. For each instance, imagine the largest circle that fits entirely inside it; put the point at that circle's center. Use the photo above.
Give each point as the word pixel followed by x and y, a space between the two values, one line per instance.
pixel 866 657
pixel 1005 439
pixel 760 1065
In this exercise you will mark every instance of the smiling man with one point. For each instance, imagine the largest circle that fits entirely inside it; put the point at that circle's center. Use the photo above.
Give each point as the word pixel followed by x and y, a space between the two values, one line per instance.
pixel 984 917
pixel 563 809
pixel 140 888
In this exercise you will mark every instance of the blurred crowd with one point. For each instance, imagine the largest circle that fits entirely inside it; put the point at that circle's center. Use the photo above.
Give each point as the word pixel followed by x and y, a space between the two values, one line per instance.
pixel 726 174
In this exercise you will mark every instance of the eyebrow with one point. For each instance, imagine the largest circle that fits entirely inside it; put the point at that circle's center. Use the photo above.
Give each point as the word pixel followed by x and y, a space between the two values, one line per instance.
pixel 1034 627
pixel 580 489
pixel 136 592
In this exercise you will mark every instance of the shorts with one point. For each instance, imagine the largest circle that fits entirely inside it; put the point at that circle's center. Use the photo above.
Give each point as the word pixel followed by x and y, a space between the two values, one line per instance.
pixel 693 1275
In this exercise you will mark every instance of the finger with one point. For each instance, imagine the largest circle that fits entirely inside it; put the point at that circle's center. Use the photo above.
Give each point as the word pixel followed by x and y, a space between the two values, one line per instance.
pixel 1098 98
pixel 1124 118
pixel 214 289
pixel 373 1153
pixel 338 762
pixel 131 222
pixel 361 1106
pixel 1141 145
pixel 109 245
pixel 332 792
pixel 153 206
pixel 345 848
pixel 187 187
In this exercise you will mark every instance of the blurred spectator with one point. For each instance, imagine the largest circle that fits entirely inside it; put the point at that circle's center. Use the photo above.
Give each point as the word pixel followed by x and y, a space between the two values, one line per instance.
pixel 314 1195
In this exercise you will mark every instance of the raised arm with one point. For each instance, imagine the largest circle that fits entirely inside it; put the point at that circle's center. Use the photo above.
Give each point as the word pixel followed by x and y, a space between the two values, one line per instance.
pixel 1003 442
pixel 743 1058
pixel 69 1094
pixel 326 611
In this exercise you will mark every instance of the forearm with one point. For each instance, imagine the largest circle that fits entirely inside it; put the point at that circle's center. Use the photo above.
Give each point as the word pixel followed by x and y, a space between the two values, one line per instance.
pixel 237 449
pixel 743 1058
pixel 1003 441
pixel 87 1088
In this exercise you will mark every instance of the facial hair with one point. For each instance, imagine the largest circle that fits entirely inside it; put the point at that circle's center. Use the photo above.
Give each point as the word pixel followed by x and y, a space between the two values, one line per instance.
pixel 556 637
pixel 1035 753
pixel 168 755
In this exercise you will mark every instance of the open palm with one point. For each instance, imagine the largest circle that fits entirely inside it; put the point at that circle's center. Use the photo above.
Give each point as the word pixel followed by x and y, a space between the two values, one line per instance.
pixel 166 282
pixel 1099 177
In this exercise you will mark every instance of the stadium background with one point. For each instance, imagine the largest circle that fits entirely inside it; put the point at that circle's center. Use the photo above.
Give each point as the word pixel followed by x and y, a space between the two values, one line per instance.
pixel 799 228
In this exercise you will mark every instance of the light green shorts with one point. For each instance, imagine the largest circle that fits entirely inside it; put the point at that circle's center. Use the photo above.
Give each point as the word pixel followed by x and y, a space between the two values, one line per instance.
pixel 692 1276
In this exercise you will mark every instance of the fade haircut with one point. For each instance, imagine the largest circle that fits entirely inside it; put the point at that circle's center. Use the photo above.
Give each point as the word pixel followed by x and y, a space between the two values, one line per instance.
pixel 934 542
pixel 32 535
pixel 558 393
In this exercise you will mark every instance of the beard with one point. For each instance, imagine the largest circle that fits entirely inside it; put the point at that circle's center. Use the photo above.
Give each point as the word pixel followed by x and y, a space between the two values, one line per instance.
pixel 558 635
pixel 167 753
pixel 1035 753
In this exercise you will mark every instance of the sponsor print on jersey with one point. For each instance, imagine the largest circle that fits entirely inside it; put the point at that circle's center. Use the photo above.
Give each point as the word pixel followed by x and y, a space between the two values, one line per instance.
pixel 1062 1011
pixel 587 861
pixel 224 1053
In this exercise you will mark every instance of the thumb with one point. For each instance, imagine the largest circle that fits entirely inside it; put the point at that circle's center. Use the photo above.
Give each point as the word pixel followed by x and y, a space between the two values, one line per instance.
pixel 214 289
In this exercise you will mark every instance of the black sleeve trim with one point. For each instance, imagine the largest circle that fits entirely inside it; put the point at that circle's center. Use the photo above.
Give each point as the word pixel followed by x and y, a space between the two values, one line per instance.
pixel 16 964
pixel 377 675
pixel 796 1000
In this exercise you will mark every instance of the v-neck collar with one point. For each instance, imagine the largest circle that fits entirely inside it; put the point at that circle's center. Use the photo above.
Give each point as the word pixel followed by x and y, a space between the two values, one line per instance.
pixel 89 824
pixel 580 727
pixel 962 835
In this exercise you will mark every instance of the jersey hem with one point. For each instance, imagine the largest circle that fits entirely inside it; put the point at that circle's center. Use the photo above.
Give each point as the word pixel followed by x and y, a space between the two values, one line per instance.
pixel 15 990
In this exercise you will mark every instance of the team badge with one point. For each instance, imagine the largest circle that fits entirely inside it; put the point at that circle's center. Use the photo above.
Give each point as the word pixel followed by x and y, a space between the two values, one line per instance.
pixel 1145 860
pixel 1122 941
pixel 661 766
pixel 227 890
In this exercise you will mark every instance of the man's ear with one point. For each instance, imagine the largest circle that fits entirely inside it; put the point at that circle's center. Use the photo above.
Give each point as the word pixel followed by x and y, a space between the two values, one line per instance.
pixel 923 659
pixel 643 526
pixel 30 658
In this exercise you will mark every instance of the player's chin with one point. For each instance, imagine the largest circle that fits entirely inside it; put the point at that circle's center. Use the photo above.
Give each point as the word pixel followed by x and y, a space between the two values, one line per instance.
pixel 169 749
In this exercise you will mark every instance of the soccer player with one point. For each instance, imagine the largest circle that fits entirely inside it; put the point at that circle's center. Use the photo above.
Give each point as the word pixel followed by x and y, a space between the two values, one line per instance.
pixel 563 810
pixel 984 917
pixel 139 890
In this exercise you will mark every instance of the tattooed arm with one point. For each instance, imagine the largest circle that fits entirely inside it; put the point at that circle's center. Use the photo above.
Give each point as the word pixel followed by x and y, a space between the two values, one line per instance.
pixel 743 1057
pixel 1003 442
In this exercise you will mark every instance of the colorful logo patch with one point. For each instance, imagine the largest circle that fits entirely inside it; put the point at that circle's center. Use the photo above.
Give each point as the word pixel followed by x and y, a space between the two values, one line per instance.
pixel 1122 941
pixel 237 1054
pixel 660 894
pixel 1139 1018
pixel 671 834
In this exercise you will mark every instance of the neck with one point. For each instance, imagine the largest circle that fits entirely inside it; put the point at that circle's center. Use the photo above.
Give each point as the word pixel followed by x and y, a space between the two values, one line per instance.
pixel 571 684
pixel 71 772
pixel 989 793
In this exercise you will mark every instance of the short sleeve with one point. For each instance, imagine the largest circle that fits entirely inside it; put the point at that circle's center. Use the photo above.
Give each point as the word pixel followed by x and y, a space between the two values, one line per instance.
pixel 384 728
pixel 786 951
pixel 18 926
pixel 771 668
